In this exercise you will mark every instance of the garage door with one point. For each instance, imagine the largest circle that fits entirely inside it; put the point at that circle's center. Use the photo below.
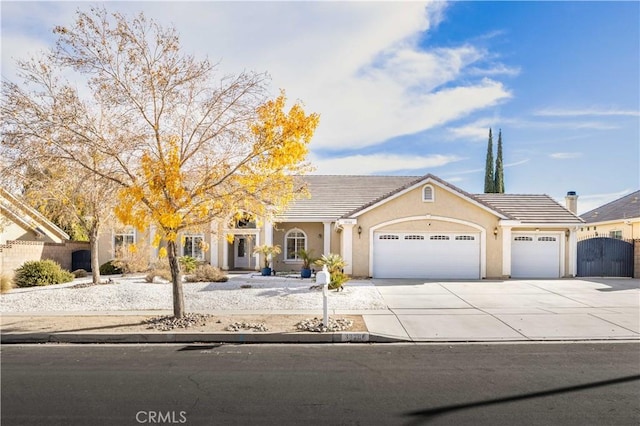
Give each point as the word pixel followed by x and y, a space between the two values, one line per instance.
pixel 426 255
pixel 535 256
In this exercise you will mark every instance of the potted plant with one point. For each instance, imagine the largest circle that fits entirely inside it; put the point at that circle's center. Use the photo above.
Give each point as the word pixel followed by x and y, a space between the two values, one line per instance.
pixel 307 259
pixel 267 251
pixel 335 265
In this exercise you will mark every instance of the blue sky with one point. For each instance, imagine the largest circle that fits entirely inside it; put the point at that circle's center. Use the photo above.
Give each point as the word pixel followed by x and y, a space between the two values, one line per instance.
pixel 412 88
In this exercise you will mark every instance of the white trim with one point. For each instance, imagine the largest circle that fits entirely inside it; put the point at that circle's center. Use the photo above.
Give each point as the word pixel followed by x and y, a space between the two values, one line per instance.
pixel 506 251
pixel 304 220
pixel 346 246
pixel 483 237
pixel 286 236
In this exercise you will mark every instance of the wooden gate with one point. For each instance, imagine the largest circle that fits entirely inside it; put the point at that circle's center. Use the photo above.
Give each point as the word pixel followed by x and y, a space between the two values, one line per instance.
pixel 605 257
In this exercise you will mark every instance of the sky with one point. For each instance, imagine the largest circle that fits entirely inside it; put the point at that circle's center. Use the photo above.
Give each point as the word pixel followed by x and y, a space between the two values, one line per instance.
pixel 410 88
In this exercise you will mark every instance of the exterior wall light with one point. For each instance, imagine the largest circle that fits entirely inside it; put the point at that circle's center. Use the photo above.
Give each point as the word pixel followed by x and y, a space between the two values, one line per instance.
pixel 359 231
pixel 495 232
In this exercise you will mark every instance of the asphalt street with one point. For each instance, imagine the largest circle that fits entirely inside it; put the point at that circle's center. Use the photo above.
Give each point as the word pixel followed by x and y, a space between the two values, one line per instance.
pixel 354 384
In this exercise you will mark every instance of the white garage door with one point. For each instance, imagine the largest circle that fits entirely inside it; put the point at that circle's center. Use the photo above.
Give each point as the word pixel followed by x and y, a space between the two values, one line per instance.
pixel 426 255
pixel 535 256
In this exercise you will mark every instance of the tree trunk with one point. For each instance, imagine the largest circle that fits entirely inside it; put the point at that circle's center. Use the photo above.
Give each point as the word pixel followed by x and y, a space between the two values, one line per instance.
pixel 95 263
pixel 176 278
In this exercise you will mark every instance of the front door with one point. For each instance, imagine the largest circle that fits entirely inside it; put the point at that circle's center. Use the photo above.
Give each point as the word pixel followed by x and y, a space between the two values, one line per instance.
pixel 241 252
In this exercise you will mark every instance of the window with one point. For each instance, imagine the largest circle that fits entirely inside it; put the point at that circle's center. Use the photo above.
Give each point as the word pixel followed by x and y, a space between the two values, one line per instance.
pixel 439 237
pixel 414 237
pixel 615 234
pixel 123 239
pixel 294 241
pixel 523 239
pixel 193 246
pixel 465 238
pixel 388 237
pixel 546 238
pixel 427 193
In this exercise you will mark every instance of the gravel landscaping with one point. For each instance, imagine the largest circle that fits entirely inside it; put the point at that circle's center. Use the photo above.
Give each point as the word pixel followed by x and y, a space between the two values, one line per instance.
pixel 242 292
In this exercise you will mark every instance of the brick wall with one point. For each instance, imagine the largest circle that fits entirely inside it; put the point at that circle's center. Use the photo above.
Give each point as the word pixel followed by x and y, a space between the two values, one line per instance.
pixel 15 253
pixel 636 258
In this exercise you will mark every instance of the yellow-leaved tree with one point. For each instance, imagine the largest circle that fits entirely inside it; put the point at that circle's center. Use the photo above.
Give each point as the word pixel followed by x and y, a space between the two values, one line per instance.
pixel 184 147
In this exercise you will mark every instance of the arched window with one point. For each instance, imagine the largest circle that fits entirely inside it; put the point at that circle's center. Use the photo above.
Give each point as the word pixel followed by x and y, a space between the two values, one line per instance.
pixel 428 194
pixel 294 240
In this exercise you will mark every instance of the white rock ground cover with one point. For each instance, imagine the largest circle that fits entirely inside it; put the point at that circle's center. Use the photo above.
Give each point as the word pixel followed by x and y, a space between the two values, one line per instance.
pixel 132 293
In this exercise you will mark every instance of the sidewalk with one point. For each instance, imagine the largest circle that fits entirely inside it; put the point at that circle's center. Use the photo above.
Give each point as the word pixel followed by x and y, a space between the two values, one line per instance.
pixel 447 311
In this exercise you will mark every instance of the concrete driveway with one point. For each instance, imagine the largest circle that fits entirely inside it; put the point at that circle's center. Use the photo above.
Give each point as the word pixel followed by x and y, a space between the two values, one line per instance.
pixel 513 310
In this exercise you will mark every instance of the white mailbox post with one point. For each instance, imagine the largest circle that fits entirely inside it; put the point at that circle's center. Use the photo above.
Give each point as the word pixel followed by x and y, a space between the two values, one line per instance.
pixel 323 278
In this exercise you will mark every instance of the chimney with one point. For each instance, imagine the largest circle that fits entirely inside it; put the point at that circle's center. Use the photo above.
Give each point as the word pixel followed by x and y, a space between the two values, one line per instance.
pixel 571 201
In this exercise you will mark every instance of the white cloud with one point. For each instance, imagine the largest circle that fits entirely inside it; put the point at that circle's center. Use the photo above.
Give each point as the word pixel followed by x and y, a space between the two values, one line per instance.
pixel 560 112
pixel 366 164
pixel 357 64
pixel 565 155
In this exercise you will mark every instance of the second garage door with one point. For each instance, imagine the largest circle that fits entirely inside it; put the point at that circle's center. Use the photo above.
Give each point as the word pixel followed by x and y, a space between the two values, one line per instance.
pixel 535 255
pixel 426 255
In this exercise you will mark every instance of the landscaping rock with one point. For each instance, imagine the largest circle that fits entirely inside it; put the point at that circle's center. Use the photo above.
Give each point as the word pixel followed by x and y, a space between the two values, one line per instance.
pixel 316 325
pixel 167 323
pixel 242 325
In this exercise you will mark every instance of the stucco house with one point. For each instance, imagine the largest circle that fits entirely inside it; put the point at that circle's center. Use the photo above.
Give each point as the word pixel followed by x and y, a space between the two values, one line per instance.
pixel 618 219
pixel 397 227
pixel 25 234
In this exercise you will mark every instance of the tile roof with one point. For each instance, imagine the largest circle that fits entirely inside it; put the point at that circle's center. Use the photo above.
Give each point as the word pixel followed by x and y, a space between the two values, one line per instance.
pixel 530 208
pixel 622 208
pixel 334 197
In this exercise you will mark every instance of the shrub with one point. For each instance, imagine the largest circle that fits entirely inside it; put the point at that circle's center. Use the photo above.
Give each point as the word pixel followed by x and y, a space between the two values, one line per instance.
pixel 132 259
pixel 79 273
pixel 109 268
pixel 6 283
pixel 188 264
pixel 207 274
pixel 41 272
pixel 165 274
pixel 335 264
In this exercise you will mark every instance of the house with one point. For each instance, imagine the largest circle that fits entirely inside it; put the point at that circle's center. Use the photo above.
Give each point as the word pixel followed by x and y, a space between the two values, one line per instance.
pixel 399 227
pixel 618 219
pixel 21 222
pixel 25 234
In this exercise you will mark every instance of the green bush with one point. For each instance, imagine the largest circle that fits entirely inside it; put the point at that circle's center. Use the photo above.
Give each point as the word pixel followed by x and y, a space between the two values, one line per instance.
pixel 207 274
pixel 108 268
pixel 79 273
pixel 41 272
pixel 188 264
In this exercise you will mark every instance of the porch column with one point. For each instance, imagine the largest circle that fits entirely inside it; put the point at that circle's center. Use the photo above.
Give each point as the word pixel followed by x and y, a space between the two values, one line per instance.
pixel 346 244
pixel 225 253
pixel 213 245
pixel 268 233
pixel 327 238
pixel 506 251
pixel 256 257
pixel 572 270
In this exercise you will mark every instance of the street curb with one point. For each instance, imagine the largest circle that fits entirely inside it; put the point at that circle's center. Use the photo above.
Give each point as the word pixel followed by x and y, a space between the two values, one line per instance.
pixel 257 337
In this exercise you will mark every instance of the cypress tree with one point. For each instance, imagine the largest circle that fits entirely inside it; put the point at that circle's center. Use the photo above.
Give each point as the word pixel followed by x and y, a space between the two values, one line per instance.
pixel 499 175
pixel 489 182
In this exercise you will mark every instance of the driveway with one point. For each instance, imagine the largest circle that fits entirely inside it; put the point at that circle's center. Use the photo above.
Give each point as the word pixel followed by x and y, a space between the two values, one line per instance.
pixel 512 310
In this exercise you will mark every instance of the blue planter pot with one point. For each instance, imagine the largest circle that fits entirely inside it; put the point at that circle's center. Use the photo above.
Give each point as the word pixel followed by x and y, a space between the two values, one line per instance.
pixel 305 273
pixel 266 272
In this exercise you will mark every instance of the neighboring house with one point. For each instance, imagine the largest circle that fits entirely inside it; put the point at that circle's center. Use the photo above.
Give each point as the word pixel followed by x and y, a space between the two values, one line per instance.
pixel 21 222
pixel 25 234
pixel 618 219
pixel 399 227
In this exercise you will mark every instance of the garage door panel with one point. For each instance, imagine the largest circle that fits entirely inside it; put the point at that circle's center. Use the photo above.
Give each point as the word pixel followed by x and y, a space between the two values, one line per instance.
pixel 426 255
pixel 535 256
